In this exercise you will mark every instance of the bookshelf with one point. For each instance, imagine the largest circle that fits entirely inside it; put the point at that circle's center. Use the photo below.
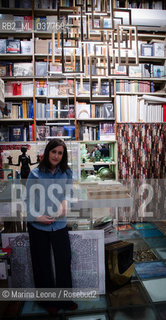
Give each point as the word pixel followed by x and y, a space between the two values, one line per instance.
pixel 41 65
pixel 99 82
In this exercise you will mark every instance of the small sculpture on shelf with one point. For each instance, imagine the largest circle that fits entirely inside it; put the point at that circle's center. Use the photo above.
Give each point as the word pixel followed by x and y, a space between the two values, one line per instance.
pixel 25 161
pixel 96 153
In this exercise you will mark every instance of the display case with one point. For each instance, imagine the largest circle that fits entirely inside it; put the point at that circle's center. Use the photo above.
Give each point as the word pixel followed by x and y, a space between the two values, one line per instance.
pixel 98 161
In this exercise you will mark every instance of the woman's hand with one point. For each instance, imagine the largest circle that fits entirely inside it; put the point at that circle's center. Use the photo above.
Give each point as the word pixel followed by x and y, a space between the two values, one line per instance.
pixel 62 211
pixel 45 219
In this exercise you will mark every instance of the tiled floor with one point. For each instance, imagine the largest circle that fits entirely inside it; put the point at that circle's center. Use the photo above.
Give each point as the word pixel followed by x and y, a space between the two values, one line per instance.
pixel 144 298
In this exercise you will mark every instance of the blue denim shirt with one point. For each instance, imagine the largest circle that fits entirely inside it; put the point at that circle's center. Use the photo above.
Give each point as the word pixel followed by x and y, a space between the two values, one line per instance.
pixel 47 192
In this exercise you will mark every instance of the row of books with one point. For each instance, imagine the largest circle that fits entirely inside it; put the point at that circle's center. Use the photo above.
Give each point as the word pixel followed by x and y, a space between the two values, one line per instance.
pixel 2 89
pixel 44 132
pixel 53 111
pixel 10 22
pixel 16 4
pixel 54 89
pixel 22 110
pixel 26 133
pixel 151 112
pixel 83 88
pixel 16 46
pixel 17 133
pixel 144 4
pixel 132 109
pixel 134 86
pixel 156 49
pixel 147 70
pixel 21 88
pixel 102 131
pixel 42 68
pixel 46 4
pixel 16 69
pixel 87 111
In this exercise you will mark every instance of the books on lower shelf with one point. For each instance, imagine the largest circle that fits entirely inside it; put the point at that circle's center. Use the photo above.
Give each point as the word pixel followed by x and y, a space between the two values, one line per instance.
pixel 147 70
pixel 102 131
pixel 47 132
pixel 54 110
pixel 134 86
pixel 94 110
pixel 133 109
pixel 21 110
pixel 156 49
pixel 16 46
pixel 19 88
pixel 20 133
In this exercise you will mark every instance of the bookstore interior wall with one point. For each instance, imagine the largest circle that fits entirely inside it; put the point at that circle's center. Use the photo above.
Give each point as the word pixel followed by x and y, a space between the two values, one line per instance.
pixel 91 71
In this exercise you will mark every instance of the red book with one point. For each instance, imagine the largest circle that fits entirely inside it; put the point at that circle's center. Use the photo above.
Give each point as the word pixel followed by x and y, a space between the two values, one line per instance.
pixel 16 89
pixel 27 23
pixel 33 133
pixel 164 112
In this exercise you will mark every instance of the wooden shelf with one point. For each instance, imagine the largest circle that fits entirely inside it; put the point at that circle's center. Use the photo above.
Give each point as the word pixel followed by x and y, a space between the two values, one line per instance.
pixel 55 119
pixel 18 56
pixel 17 78
pixel 141 93
pixel 18 97
pixel 97 119
pixel 13 120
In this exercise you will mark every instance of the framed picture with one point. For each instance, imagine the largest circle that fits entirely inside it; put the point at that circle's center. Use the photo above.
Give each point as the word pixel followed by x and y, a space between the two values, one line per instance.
pixel 127 45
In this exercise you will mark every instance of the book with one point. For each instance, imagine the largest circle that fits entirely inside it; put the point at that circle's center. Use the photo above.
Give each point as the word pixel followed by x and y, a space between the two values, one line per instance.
pixel 82 110
pixel 108 110
pixel 23 69
pixel 42 132
pixel 26 46
pixel 147 49
pixel 164 112
pixel 41 88
pixel 40 24
pixel 28 23
pixel 4 134
pixel 40 68
pixel 3 71
pixel 17 88
pixel 2 46
pixel 158 71
pixel 13 46
pixel 159 49
pixel 16 133
pixel 19 23
pixel 67 111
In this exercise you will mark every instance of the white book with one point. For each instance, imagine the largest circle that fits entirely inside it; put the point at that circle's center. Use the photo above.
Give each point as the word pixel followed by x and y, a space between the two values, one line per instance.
pixel 142 112
pixel 82 111
pixel 19 23
pixel 27 47
pixel 126 102
pixel 118 107
pixel 159 49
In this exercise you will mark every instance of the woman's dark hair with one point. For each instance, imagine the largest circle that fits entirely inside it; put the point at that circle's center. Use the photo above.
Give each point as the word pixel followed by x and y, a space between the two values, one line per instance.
pixel 45 164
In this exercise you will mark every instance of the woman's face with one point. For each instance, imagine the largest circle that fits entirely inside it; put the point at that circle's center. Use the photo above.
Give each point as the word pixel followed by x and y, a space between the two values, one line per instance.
pixel 55 156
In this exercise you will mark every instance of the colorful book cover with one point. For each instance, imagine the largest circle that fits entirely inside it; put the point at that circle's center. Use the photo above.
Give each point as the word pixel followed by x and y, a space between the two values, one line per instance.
pixel 16 133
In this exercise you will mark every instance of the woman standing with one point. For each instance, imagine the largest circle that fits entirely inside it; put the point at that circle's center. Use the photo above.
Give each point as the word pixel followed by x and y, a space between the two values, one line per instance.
pixel 47 230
